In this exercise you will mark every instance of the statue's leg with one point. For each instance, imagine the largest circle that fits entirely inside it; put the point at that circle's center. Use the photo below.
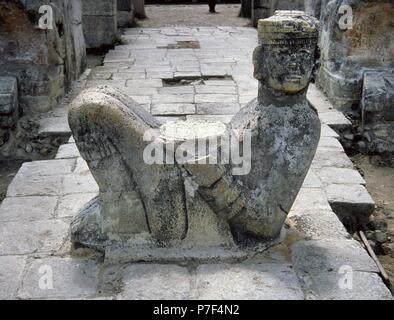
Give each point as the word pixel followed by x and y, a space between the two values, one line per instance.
pixel 109 128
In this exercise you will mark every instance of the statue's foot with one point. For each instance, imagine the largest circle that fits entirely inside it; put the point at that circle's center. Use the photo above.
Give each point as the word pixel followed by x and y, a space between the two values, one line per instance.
pixel 86 227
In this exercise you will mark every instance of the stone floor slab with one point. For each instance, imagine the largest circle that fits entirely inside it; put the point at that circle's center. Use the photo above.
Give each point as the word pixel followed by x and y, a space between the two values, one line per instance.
pixel 59 278
pixel 155 281
pixel 35 186
pixel 68 150
pixel 310 200
pixel 331 158
pixel 263 281
pixel 47 168
pixel 45 236
pixel 173 109
pixel 70 205
pixel 11 271
pixel 337 269
pixel 27 208
pixel 329 175
pixel 55 126
pixel 218 108
pixel 78 183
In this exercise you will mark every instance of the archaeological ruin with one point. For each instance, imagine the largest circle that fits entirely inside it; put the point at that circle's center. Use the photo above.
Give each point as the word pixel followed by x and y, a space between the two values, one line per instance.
pixel 158 150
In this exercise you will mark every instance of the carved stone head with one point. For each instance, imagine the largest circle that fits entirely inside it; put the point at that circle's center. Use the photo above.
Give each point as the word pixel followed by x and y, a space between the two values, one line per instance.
pixel 284 59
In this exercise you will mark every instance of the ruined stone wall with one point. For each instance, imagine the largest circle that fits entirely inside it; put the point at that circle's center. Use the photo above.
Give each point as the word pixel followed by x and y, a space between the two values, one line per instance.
pixel 356 71
pixel 45 62
pixel 347 54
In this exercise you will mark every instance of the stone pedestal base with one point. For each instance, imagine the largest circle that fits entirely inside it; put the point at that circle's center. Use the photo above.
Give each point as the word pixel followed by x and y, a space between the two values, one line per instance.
pixel 342 91
pixel 86 231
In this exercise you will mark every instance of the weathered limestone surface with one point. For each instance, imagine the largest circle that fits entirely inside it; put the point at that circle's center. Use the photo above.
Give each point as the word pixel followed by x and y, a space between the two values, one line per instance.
pixel 45 62
pixel 9 107
pixel 311 218
pixel 71 278
pixel 9 285
pixel 284 126
pixel 186 203
pixel 262 9
pixel 347 54
pixel 100 26
pixel 125 13
pixel 323 268
pixel 378 113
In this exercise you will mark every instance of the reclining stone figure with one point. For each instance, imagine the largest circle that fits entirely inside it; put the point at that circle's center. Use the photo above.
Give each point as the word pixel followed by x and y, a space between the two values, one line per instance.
pixel 190 205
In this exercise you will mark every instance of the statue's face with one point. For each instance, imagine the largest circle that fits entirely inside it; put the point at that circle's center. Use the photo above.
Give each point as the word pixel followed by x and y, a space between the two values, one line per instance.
pixel 286 69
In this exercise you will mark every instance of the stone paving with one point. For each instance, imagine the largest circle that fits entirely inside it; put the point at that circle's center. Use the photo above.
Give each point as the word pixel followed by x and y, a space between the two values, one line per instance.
pixel 187 73
pixel 193 15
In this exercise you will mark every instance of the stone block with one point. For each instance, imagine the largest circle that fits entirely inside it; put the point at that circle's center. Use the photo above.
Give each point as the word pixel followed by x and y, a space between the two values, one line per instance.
pixel 173 109
pixel 148 83
pixel 125 5
pixel 99 8
pixel 210 118
pixel 35 186
pixel 323 266
pixel 56 126
pixel 11 271
pixel 205 89
pixel 155 281
pixel 27 208
pixel 76 183
pixel 310 200
pixel 318 224
pixel 218 108
pixel 312 180
pixel 99 30
pixel 173 98
pixel 329 175
pixel 70 279
pixel 177 90
pixel 378 93
pixel 352 203
pixel 8 95
pixel 336 120
pixel 265 281
pixel 44 236
pixel 47 168
pixel 221 98
pixel 67 151
pixel 163 120
pixel 70 205
pixel 331 143
pixel 331 158
pixel 81 167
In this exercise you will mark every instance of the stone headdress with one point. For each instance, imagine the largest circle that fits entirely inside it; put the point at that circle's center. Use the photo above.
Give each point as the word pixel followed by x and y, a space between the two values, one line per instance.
pixel 287 28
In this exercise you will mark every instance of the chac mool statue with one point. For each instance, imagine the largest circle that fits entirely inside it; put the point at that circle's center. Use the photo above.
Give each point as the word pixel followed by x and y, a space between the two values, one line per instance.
pixel 198 204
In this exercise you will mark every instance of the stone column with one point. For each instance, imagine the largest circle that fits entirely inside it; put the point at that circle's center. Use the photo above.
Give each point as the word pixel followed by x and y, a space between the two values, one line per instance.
pixel 100 24
pixel 126 13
